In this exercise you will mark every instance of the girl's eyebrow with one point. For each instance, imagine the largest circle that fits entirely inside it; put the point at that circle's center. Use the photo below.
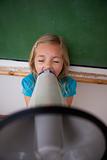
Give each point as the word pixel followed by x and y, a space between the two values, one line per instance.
pixel 57 57
pixel 40 56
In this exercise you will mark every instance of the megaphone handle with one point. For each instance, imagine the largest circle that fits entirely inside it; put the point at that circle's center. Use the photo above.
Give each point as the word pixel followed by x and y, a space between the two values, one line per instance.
pixel 49 132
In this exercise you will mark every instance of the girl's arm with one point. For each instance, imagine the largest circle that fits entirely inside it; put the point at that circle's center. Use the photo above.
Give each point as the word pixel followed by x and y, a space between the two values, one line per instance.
pixel 27 99
pixel 68 101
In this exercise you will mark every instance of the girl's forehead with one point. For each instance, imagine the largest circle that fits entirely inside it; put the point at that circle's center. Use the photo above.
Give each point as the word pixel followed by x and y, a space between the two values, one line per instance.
pixel 49 48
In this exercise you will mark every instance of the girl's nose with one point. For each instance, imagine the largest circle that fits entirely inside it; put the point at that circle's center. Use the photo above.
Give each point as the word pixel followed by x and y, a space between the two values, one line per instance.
pixel 47 65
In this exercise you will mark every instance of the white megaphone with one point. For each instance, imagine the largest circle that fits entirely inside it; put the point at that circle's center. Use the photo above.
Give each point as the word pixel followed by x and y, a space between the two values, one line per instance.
pixel 47 91
pixel 48 129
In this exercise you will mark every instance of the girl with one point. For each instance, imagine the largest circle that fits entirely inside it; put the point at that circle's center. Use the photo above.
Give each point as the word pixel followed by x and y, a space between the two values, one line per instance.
pixel 50 52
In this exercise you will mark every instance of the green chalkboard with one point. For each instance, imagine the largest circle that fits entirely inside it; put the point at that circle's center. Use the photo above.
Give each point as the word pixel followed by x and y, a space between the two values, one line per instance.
pixel 82 23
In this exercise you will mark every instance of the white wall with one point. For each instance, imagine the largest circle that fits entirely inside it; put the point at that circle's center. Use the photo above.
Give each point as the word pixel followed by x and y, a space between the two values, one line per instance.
pixel 90 97
pixel 11 98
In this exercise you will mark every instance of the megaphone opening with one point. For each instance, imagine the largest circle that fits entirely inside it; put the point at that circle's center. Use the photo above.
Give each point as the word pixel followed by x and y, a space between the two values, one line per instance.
pixel 83 134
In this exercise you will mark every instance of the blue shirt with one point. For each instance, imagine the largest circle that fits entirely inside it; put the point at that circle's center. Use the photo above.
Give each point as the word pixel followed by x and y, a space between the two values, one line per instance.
pixel 67 84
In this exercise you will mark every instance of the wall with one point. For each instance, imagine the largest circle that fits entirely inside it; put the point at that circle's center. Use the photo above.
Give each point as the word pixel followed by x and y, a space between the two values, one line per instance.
pixel 11 98
pixel 90 97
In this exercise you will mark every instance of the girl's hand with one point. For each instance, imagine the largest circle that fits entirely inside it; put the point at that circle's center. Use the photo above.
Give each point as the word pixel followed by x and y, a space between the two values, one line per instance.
pixel 68 101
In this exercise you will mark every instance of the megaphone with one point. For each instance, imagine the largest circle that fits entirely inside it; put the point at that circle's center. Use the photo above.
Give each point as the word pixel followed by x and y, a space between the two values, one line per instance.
pixel 47 91
pixel 49 131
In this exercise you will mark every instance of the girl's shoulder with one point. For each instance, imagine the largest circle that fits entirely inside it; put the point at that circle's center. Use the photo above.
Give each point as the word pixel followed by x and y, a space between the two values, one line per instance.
pixel 28 83
pixel 67 79
pixel 29 79
pixel 68 86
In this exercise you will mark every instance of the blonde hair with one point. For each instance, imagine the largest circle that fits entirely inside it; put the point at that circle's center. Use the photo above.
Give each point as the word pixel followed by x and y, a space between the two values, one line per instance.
pixel 51 39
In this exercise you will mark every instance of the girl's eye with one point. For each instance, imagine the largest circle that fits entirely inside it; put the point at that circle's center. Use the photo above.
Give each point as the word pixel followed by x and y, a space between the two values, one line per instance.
pixel 56 61
pixel 40 60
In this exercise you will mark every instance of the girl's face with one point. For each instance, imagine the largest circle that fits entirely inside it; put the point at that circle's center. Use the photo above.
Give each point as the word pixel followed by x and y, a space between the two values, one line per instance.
pixel 48 56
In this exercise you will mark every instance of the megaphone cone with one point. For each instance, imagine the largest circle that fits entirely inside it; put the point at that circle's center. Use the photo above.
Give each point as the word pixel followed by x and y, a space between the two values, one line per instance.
pixel 47 91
